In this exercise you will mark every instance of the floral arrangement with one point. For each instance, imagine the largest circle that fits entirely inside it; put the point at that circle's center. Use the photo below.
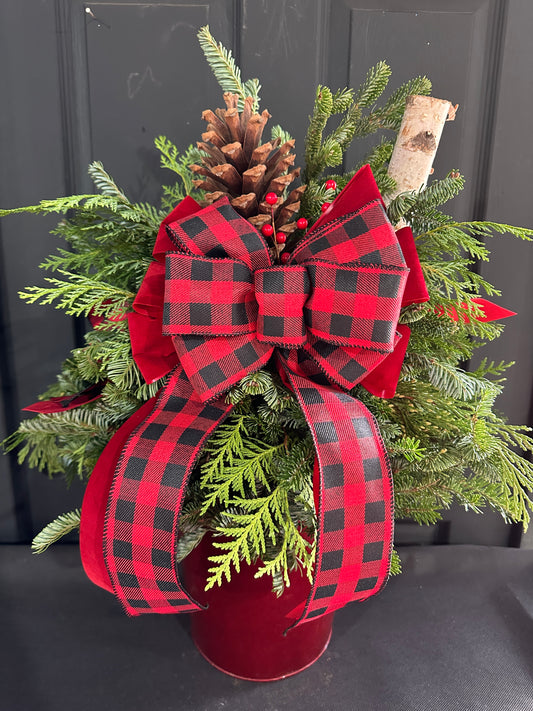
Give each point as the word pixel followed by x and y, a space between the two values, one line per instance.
pixel 384 359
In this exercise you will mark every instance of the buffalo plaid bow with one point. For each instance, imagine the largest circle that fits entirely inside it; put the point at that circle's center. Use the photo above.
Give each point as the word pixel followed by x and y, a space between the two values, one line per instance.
pixel 329 316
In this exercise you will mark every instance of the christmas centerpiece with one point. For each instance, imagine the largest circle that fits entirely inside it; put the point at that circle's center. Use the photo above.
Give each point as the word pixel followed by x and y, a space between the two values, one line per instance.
pixel 273 370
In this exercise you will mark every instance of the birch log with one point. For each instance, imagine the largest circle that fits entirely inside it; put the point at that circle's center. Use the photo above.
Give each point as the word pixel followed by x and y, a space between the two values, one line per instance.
pixel 418 139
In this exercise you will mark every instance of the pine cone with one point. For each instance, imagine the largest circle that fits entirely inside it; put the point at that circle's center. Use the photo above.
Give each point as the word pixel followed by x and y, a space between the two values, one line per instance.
pixel 238 165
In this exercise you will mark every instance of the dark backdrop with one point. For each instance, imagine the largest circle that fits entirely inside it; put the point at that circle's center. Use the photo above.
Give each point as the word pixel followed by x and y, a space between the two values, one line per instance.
pixel 84 81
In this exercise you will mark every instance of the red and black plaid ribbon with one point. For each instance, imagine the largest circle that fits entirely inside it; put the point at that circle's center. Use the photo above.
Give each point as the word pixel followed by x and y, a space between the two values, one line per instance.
pixel 329 316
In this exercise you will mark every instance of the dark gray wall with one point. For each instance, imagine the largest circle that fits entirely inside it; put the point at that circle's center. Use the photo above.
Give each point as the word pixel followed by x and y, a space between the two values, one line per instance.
pixel 86 81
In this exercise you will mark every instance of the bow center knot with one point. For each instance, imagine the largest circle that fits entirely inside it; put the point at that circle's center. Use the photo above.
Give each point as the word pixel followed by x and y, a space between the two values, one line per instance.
pixel 281 293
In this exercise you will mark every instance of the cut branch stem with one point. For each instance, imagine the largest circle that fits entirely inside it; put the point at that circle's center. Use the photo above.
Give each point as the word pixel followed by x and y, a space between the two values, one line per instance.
pixel 417 143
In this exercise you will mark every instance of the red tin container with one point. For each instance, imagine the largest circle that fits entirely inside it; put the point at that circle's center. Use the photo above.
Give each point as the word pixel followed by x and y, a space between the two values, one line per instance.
pixel 243 630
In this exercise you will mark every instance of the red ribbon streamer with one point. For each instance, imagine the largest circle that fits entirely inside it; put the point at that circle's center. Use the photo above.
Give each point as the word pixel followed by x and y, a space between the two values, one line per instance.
pixel 63 403
pixel 490 311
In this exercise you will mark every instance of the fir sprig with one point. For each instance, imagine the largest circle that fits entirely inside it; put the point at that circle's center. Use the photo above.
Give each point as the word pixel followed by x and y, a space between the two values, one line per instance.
pixel 226 71
pixel 327 151
pixel 280 133
pixel 61 526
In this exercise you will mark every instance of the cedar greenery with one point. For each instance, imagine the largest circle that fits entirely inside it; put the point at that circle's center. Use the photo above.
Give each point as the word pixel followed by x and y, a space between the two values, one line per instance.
pixel 253 483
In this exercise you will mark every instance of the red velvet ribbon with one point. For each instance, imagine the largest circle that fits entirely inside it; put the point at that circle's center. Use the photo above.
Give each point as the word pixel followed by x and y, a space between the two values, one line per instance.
pixel 489 311
pixel 63 403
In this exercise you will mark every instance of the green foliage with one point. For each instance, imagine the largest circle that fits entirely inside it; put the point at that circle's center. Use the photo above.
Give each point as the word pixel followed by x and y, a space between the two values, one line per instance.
pixel 323 152
pixel 278 132
pixel 79 295
pixel 61 526
pixel 110 241
pixel 421 205
pixel 179 164
pixel 253 488
pixel 395 564
pixel 226 72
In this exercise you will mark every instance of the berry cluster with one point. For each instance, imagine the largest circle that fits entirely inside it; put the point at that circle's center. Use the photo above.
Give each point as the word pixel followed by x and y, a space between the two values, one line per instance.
pixel 302 223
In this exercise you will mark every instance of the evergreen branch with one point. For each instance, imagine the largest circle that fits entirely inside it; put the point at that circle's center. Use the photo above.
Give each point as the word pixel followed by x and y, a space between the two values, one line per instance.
pixel 226 72
pixel 313 142
pixel 453 381
pixel 221 61
pixel 80 296
pixel 390 116
pixel 104 182
pixel 342 100
pixel 278 132
pixel 413 205
pixel 378 157
pixel 476 228
pixel 88 419
pixel 408 448
pixel 61 526
pixel 59 205
pixel 179 164
pixel 223 447
pixel 248 470
pixel 260 520
pixel 373 86
pixel 395 563
pixel 439 192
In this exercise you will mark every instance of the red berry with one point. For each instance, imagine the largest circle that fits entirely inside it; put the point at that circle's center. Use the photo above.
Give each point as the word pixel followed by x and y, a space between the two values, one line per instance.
pixel 285 256
pixel 325 206
pixel 271 198
pixel 302 223
pixel 281 238
pixel 331 185
pixel 267 230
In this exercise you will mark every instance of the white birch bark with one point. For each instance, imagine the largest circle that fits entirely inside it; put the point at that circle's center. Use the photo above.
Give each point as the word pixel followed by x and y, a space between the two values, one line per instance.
pixel 417 143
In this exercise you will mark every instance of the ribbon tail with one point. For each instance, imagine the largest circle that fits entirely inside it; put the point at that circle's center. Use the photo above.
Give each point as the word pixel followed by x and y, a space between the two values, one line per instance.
pixel 146 497
pixel 95 498
pixel 64 403
pixel 355 514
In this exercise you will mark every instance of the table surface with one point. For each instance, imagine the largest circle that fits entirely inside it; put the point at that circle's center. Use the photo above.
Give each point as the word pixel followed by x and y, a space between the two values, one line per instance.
pixel 453 632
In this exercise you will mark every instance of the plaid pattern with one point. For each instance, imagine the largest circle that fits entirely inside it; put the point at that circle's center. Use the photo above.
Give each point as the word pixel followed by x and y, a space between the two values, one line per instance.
pixel 227 312
pixel 215 364
pixel 330 315
pixel 218 231
pixel 355 305
pixel 208 296
pixel 281 294
pixel 364 236
pixel 355 509
pixel 343 366
pixel 144 503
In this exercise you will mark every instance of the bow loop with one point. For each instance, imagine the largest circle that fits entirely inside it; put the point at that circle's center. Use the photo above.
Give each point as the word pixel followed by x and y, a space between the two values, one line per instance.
pixel 215 364
pixel 218 231
pixel 364 236
pixel 355 305
pixel 205 296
